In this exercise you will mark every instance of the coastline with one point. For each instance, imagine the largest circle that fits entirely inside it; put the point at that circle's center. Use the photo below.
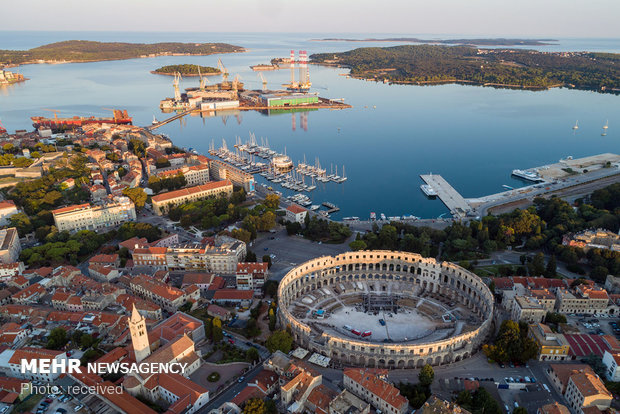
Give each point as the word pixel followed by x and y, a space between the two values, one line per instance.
pixel 61 62
pixel 185 74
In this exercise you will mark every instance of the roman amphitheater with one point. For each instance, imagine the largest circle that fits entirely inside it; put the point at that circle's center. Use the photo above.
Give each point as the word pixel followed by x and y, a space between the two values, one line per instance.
pixel 386 309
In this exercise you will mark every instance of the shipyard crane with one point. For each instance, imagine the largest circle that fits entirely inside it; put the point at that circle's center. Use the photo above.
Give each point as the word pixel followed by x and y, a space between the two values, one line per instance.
pixel 177 92
pixel 260 74
pixel 235 83
pixel 224 71
pixel 115 112
pixel 202 79
pixel 55 111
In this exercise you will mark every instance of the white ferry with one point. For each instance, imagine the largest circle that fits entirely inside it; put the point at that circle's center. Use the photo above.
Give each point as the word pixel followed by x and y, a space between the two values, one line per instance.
pixel 527 175
pixel 428 190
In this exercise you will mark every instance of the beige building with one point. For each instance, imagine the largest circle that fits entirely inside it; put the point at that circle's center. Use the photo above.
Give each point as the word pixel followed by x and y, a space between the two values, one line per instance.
pixel 167 297
pixel 195 175
pixel 545 297
pixel 9 245
pixel 163 202
pixel 553 408
pixel 296 214
pixel 223 171
pixel 586 390
pixel 383 396
pixel 251 275
pixel 527 309
pixel 7 209
pixel 552 346
pixel 583 300
pixel 86 217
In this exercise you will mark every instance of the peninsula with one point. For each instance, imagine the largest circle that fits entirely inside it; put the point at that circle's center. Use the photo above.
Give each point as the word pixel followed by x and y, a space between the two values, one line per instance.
pixel 72 51
pixel 502 68
pixel 187 70
pixel 473 42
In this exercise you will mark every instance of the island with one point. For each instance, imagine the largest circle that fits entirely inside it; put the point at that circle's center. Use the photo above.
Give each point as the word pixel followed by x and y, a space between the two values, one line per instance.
pixel 88 51
pixel 475 42
pixel 187 70
pixel 502 68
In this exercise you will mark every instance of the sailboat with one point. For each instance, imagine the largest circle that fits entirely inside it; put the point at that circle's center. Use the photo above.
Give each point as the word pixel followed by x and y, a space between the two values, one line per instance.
pixel 155 121
pixel 343 178
pixel 576 125
pixel 606 125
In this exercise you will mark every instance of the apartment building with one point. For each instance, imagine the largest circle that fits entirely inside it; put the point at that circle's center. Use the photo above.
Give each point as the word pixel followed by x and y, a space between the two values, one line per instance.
pixel 552 346
pixel 251 275
pixel 163 202
pixel 363 383
pixel 7 209
pixel 585 390
pixel 94 217
pixel 611 362
pixel 194 175
pixel 583 299
pixel 164 295
pixel 527 309
pixel 9 245
pixel 223 171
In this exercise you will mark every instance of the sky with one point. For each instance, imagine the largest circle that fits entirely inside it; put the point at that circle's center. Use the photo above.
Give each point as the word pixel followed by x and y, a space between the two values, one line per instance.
pixel 526 18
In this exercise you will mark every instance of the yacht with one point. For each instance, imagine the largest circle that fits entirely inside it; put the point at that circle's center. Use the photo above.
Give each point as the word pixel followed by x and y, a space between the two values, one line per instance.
pixel 606 125
pixel 383 217
pixel 315 207
pixel 527 175
pixel 576 126
pixel 428 190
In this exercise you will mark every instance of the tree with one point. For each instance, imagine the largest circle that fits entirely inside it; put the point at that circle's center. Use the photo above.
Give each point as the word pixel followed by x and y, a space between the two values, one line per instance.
pixel 280 340
pixel 162 163
pixel 255 406
pixel 492 286
pixel 242 234
pixel 426 375
pixel 553 317
pixel 267 259
pixel 22 222
pixel 538 265
pixel 599 273
pixel 272 201
pixel 250 256
pixel 551 268
pixel 251 354
pixel 86 341
pixel 137 195
pixel 57 339
pixel 357 245
pixel 137 147
pixel 520 410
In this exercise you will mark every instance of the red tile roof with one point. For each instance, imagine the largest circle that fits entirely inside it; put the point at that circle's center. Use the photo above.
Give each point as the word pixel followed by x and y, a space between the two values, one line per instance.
pixel 191 190
pixel 386 392
pixel 233 294
pixel 295 209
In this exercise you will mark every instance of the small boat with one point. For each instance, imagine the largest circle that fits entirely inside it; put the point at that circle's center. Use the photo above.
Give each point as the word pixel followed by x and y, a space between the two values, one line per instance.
pixel 576 126
pixel 604 134
pixel 315 207
pixel 508 187
pixel 155 121
pixel 606 125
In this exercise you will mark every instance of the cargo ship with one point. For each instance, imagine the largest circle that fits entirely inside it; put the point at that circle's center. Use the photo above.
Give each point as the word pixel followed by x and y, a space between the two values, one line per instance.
pixel 60 124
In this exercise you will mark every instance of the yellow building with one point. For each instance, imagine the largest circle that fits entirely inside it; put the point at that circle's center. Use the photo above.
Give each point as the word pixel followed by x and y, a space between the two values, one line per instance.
pixel 552 346
pixel 163 202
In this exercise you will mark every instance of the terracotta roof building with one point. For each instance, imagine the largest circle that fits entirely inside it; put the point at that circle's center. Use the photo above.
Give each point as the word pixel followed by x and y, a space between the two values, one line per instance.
pixel 380 394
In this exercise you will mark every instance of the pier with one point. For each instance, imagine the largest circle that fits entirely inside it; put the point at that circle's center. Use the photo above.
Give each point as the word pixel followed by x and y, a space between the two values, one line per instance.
pixel 459 207
pixel 168 120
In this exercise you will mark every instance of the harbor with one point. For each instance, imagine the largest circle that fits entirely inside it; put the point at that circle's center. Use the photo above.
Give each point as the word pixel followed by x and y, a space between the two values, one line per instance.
pixel 567 178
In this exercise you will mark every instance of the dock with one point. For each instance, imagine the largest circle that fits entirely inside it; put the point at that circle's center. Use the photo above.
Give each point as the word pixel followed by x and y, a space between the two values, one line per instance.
pixel 332 208
pixel 168 120
pixel 459 207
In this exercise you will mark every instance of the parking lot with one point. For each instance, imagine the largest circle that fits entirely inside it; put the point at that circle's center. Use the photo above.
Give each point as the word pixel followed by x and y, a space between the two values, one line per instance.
pixel 61 404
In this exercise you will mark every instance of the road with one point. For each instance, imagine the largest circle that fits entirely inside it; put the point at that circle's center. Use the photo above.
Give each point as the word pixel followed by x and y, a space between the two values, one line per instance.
pixel 574 186
pixel 230 393
pixel 514 257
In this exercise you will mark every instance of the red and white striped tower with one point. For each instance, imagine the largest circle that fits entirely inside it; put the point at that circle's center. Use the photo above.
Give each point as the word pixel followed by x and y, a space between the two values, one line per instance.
pixel 292 68
pixel 304 76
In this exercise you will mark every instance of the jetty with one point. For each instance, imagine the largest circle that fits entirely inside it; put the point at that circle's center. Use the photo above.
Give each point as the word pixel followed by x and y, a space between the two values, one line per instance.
pixel 168 120
pixel 459 207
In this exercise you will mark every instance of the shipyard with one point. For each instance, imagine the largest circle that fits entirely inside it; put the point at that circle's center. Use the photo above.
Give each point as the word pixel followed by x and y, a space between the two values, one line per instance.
pixel 230 95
